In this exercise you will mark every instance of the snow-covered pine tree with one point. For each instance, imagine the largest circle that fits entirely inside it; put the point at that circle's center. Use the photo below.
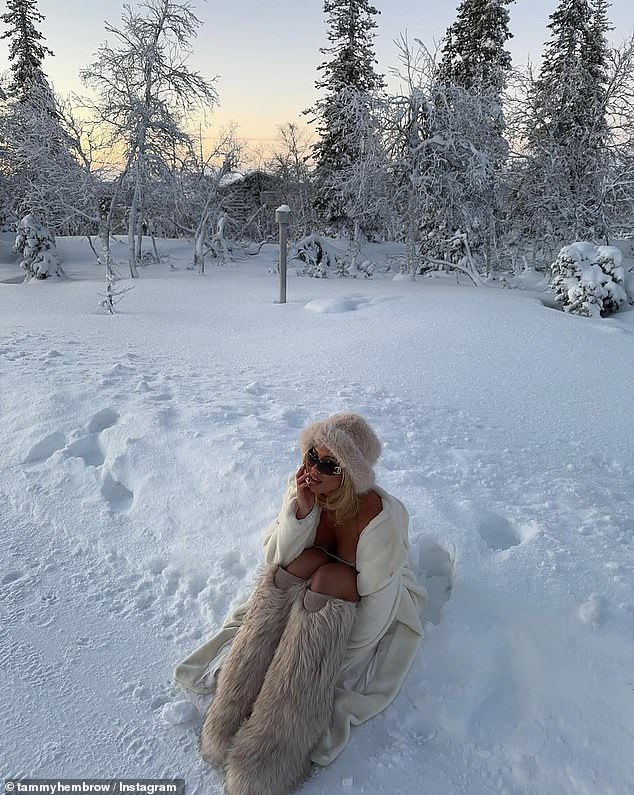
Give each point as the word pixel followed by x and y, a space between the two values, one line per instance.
pixel 26 49
pixel 35 243
pixel 34 137
pixel 590 280
pixel 565 128
pixel 473 52
pixel 343 127
pixel 471 79
pixel 597 57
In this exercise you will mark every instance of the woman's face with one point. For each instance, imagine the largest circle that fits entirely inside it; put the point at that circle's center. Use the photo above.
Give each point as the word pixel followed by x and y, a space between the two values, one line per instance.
pixel 319 482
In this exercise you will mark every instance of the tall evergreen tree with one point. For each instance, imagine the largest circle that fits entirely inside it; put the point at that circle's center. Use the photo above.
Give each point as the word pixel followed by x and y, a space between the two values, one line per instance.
pixel 566 129
pixel 30 125
pixel 596 57
pixel 26 50
pixel 344 125
pixel 473 53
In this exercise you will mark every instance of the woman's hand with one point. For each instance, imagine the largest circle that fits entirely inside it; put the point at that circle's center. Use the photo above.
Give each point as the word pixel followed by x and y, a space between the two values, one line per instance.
pixel 305 497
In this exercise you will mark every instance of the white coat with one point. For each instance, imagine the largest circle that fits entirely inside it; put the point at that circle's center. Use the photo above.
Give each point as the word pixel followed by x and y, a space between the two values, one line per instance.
pixel 387 631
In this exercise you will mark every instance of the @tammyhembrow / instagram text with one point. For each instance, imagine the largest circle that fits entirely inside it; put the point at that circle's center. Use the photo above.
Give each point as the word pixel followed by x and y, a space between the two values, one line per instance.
pixel 112 786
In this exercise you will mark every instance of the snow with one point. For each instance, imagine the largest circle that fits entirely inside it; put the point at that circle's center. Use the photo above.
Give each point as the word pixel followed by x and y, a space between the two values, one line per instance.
pixel 348 303
pixel 179 712
pixel 143 454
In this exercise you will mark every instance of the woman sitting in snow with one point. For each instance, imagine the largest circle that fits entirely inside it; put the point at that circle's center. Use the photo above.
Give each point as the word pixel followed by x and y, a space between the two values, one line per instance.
pixel 330 629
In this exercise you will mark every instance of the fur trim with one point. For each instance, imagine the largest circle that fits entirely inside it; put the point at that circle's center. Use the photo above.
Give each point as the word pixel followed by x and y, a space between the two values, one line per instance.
pixel 245 666
pixel 270 754
pixel 351 441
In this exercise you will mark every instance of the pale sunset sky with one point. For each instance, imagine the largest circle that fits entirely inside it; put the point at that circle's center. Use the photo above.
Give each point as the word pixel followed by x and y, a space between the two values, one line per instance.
pixel 266 53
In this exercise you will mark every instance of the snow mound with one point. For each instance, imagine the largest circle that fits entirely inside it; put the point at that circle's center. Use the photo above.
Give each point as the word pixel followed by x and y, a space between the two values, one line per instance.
pixel 335 305
pixel 591 611
pixel 179 712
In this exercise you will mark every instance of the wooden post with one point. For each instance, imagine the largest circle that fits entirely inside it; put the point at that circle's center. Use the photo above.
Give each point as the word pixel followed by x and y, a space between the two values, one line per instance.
pixel 283 218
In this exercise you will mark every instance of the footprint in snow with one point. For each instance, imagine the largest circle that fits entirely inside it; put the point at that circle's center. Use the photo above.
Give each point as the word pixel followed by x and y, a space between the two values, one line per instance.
pixel 295 418
pixel 89 447
pixel 500 534
pixel 102 420
pixel 502 689
pixel 45 448
pixel 10 576
pixel 436 572
pixel 118 496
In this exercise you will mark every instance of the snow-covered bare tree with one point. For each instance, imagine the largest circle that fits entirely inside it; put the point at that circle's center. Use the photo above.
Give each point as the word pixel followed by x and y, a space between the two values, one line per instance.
pixel 360 187
pixel 289 163
pixel 79 191
pixel 93 185
pixel 342 129
pixel 618 188
pixel 406 130
pixel 457 177
pixel 204 180
pixel 145 91
pixel 446 162
pixel 42 167
pixel 471 79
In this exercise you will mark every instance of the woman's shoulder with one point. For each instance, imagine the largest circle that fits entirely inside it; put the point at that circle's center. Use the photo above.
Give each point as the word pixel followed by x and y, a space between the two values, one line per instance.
pixel 371 506
pixel 391 507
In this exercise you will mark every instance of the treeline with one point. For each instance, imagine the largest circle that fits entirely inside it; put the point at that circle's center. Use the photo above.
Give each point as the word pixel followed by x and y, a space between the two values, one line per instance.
pixel 473 164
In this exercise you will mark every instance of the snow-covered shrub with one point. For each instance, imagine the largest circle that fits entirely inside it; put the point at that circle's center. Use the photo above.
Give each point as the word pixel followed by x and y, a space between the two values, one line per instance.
pixel 347 266
pixel 37 246
pixel 316 255
pixel 367 268
pixel 589 280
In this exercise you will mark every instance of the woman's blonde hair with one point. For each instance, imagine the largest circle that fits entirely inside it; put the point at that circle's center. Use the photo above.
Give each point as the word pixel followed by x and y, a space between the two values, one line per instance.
pixel 344 502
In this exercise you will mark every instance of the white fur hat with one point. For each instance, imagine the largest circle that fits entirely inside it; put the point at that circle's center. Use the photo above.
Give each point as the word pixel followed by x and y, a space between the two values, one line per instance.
pixel 351 441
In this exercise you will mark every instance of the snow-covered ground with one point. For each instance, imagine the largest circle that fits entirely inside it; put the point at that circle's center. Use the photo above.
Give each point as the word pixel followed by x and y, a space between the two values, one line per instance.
pixel 143 454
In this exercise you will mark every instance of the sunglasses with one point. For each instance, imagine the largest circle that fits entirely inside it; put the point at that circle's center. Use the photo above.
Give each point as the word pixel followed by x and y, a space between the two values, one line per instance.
pixel 327 466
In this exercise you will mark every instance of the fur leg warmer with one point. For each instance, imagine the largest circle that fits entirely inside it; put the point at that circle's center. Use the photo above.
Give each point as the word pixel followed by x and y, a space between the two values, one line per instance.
pixel 270 753
pixel 245 666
